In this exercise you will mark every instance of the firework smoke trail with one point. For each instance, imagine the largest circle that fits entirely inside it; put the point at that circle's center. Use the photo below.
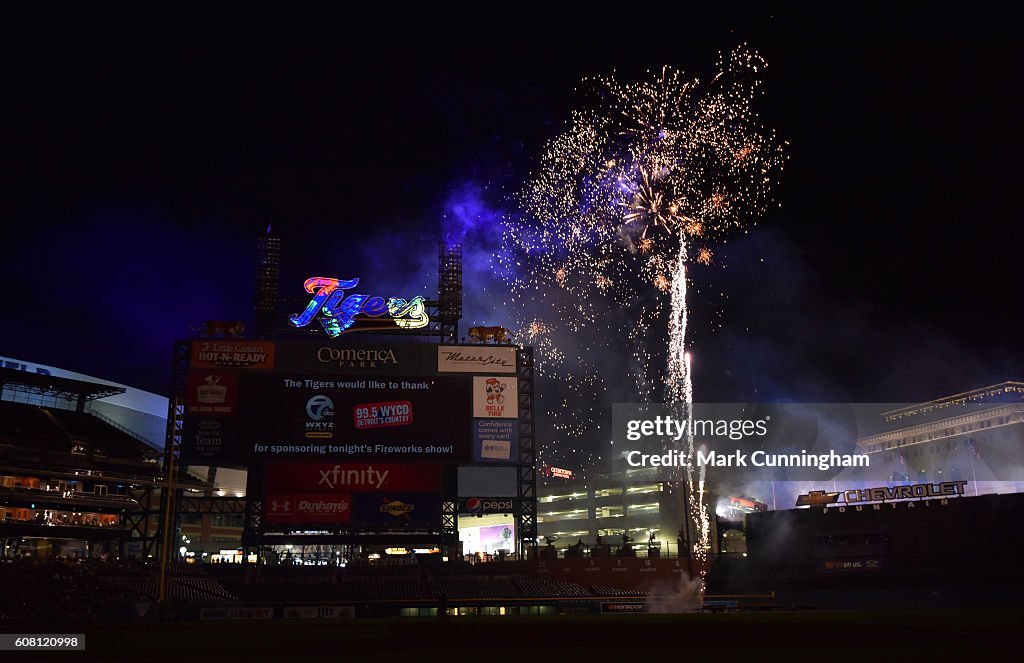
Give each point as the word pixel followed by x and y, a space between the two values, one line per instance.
pixel 646 172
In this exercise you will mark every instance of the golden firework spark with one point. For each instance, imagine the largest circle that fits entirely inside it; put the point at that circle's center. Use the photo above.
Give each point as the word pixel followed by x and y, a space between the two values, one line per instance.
pixel 704 255
pixel 662 283
pixel 536 329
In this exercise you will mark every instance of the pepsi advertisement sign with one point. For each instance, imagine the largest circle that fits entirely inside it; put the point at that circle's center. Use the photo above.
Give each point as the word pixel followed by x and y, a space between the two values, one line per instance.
pixel 482 505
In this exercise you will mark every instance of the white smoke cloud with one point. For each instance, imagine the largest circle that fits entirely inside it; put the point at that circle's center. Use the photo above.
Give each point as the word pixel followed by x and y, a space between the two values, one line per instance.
pixel 686 595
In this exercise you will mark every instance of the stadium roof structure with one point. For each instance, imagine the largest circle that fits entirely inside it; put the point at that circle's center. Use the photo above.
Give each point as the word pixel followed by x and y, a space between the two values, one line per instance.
pixel 1004 392
pixel 49 385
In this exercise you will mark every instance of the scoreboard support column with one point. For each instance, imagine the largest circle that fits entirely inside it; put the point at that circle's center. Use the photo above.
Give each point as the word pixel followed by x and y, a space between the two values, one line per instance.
pixel 450 509
pixel 526 517
pixel 252 527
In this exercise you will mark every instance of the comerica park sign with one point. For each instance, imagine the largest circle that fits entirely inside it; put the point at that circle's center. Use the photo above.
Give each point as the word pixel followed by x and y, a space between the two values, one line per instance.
pixel 883 494
pixel 343 311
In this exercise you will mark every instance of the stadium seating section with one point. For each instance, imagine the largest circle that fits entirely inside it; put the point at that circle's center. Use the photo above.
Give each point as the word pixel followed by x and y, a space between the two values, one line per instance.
pixel 54 429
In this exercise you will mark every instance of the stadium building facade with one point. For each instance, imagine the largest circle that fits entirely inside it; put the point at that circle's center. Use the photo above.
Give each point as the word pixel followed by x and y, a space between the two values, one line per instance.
pixel 975 437
pixel 79 474
pixel 932 525
pixel 612 504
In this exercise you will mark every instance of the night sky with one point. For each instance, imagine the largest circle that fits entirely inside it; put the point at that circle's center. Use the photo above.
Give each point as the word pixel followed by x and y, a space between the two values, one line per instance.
pixel 138 175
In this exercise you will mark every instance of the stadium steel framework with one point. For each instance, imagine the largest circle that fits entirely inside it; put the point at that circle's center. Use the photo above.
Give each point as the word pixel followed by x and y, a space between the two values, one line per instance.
pixel 526 524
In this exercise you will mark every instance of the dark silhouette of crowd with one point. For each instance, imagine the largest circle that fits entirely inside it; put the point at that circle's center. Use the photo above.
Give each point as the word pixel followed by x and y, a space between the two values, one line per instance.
pixel 61 589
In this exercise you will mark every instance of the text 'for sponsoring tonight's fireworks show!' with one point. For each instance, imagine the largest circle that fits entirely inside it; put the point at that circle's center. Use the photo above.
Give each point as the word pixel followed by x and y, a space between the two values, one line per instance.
pixel 412 419
pixel 296 416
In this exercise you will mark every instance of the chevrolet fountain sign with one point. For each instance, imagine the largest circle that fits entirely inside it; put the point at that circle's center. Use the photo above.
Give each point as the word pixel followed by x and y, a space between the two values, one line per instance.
pixel 866 495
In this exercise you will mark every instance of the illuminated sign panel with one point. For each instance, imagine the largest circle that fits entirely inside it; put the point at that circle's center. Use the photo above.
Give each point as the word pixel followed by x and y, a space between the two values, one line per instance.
pixel 387 418
pixel 340 311
pixel 906 492
pixel 495 440
pixel 817 498
pixel 495 397
pixel 389 495
pixel 475 359
pixel 327 478
pixel 398 510
pixel 559 472
pixel 340 357
pixel 848 564
pixel 293 508
pixel 217 353
pixel 480 505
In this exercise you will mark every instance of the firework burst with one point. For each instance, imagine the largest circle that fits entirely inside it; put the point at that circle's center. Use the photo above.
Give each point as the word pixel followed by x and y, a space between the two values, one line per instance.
pixel 646 174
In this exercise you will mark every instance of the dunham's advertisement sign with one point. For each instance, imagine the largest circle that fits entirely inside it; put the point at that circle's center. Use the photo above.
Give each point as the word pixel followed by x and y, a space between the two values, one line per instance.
pixel 387 418
pixel 297 508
